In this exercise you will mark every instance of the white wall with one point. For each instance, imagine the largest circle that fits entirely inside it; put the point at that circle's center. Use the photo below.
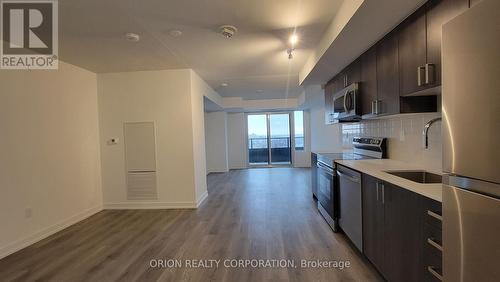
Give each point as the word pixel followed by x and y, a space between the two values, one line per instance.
pixel 49 153
pixel 165 98
pixel 199 89
pixel 324 138
pixel 216 141
pixel 303 158
pixel 236 140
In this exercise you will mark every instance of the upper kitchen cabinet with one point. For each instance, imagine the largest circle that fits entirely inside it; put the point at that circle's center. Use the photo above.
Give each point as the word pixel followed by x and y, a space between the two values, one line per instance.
pixel 473 2
pixel 349 75
pixel 337 83
pixel 352 73
pixel 420 44
pixel 399 74
pixel 387 75
pixel 368 81
pixel 438 13
pixel 412 53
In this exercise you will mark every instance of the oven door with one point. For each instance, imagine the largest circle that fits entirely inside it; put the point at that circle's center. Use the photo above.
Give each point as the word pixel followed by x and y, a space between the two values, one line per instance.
pixel 326 186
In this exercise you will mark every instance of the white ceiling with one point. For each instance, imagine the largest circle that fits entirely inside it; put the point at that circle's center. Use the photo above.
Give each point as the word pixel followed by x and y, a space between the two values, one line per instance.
pixel 92 36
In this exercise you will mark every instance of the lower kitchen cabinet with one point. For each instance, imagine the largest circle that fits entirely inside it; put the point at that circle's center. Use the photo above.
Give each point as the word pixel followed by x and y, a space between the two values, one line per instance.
pixel 373 222
pixel 402 234
pixel 393 230
pixel 314 175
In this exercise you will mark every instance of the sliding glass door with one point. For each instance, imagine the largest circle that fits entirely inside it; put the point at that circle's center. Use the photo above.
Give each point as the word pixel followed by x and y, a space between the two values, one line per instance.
pixel 258 141
pixel 269 142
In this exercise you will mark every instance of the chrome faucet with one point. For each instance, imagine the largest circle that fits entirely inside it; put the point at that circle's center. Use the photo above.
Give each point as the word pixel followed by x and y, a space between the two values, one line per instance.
pixel 426 131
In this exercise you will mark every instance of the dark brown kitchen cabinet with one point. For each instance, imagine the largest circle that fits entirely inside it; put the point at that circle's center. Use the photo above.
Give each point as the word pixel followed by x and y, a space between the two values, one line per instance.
pixel 473 2
pixel 407 61
pixel 314 175
pixel 388 75
pixel 349 75
pixel 368 81
pixel 373 222
pixel 438 13
pixel 420 44
pixel 412 53
pixel 338 82
pixel 402 234
pixel 352 73
pixel 431 240
pixel 396 229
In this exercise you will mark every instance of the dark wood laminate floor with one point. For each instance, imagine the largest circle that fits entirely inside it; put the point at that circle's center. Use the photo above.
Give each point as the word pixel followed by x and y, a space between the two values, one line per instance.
pixel 249 214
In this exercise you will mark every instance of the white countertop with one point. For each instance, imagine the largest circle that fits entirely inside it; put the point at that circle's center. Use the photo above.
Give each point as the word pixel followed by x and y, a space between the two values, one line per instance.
pixel 377 168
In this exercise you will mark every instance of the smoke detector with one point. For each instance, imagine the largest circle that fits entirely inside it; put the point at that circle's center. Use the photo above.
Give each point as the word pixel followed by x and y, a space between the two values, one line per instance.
pixel 175 33
pixel 227 30
pixel 134 37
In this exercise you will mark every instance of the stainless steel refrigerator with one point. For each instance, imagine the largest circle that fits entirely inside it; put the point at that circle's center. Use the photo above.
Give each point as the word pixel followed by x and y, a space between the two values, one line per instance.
pixel 471 144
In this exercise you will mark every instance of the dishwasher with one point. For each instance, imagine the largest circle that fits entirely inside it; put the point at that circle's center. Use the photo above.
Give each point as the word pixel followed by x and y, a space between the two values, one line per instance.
pixel 350 212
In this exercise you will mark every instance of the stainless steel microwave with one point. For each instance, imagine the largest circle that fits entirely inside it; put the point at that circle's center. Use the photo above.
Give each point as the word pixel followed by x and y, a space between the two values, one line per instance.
pixel 346 104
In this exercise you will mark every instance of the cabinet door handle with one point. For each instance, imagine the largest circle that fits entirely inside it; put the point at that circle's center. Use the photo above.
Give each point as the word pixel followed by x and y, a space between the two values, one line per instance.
pixel 419 75
pixel 434 244
pixel 376 187
pixel 383 193
pixel 375 109
pixel 429 77
pixel 433 271
pixel 435 215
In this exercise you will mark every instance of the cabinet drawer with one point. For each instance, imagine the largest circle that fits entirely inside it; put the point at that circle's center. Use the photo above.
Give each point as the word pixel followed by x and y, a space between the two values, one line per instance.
pixel 433 214
pixel 432 239
pixel 433 270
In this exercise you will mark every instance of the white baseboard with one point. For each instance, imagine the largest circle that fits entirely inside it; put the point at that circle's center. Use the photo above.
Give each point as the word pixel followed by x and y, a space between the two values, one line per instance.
pixel 149 205
pixel 217 170
pixel 238 167
pixel 46 232
pixel 202 198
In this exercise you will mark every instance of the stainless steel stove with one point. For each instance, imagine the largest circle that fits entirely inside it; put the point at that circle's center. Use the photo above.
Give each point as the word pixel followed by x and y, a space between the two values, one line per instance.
pixel 327 180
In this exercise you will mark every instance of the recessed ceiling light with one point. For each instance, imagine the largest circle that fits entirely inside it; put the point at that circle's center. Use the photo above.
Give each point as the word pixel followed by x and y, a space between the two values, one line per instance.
pixel 134 37
pixel 227 30
pixel 175 33
pixel 224 84
pixel 294 39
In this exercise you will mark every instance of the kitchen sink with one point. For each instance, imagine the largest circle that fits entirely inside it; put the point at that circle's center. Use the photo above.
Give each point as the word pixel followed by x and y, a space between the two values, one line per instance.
pixel 419 176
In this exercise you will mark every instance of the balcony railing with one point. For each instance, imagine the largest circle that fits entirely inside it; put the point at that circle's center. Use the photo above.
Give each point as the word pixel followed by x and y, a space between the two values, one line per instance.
pixel 280 149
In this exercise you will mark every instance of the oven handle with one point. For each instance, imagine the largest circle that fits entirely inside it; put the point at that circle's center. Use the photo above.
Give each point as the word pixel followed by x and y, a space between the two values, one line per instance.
pixel 328 169
pixel 348 177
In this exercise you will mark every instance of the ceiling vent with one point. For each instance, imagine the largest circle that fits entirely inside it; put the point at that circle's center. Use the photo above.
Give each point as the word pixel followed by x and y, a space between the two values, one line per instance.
pixel 228 30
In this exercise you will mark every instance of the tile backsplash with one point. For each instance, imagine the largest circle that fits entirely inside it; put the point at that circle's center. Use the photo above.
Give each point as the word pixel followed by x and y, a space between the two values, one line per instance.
pixel 404 136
